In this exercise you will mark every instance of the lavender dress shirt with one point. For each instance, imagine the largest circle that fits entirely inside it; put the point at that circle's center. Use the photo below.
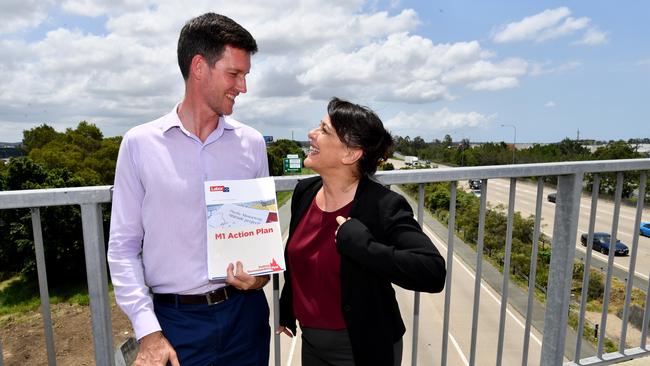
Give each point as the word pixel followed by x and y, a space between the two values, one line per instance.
pixel 158 221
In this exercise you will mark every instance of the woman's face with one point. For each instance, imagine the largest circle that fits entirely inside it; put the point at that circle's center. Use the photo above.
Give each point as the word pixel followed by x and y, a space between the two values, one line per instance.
pixel 326 150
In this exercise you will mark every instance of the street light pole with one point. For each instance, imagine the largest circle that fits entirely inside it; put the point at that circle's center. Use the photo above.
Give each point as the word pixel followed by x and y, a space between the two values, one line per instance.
pixel 514 141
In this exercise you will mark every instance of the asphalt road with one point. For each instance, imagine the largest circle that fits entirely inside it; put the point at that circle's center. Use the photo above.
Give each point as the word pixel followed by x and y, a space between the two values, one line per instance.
pixel 525 203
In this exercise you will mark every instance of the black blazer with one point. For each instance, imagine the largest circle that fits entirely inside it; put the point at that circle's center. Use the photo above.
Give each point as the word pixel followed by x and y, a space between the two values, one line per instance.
pixel 380 245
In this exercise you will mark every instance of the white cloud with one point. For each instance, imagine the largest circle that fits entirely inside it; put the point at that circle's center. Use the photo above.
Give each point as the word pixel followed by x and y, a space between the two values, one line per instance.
pixel 593 37
pixel 95 8
pixel 18 15
pixel 550 104
pixel 309 52
pixel 538 68
pixel 485 75
pixel 497 83
pixel 530 27
pixel 547 25
pixel 442 120
pixel 570 26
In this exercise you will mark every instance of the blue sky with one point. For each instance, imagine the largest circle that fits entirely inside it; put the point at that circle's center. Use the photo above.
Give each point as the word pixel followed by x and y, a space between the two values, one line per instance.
pixel 429 68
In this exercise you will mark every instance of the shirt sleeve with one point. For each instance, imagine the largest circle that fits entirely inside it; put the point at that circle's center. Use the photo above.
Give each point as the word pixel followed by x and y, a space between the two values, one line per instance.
pixel 263 159
pixel 125 244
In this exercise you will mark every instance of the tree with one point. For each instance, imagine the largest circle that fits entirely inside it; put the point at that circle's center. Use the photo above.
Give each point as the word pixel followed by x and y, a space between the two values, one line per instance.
pixel 38 137
pixel 78 157
pixel 61 226
pixel 616 150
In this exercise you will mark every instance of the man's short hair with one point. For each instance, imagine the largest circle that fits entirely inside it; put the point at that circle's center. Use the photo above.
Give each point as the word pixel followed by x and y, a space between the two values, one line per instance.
pixel 208 35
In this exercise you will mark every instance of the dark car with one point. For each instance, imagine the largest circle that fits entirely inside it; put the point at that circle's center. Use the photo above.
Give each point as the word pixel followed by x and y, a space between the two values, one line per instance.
pixel 644 229
pixel 474 184
pixel 601 244
pixel 551 197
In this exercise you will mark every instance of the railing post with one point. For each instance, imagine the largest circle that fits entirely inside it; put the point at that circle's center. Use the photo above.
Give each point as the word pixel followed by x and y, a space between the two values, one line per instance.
pixel 42 285
pixel 416 294
pixel 451 231
pixel 1 356
pixel 276 319
pixel 95 252
pixel 567 209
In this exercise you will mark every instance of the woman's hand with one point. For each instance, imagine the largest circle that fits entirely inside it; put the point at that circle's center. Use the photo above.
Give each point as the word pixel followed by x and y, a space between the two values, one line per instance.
pixel 341 220
pixel 284 330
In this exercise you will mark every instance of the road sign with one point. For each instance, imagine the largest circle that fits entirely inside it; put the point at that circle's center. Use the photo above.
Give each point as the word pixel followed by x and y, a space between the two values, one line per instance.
pixel 292 165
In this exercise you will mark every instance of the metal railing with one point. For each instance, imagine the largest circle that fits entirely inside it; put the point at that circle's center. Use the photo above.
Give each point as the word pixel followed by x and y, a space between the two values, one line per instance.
pixel 555 326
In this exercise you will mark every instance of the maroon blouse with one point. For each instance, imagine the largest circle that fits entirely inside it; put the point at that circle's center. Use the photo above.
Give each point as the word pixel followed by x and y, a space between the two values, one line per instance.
pixel 315 269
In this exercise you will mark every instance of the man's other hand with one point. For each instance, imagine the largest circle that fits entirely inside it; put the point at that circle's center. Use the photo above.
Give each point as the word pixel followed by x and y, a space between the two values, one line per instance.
pixel 243 280
pixel 155 350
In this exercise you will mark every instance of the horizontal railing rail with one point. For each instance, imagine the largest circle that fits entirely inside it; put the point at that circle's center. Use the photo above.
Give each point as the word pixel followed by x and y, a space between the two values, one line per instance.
pixel 554 328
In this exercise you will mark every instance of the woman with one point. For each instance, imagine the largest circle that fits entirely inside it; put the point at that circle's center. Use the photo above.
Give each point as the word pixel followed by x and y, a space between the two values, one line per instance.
pixel 350 239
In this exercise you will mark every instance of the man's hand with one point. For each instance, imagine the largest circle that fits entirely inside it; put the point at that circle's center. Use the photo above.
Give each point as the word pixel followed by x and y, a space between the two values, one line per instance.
pixel 155 350
pixel 243 280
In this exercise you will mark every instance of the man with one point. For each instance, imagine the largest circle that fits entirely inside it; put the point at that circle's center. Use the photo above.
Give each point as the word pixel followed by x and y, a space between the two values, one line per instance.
pixel 158 247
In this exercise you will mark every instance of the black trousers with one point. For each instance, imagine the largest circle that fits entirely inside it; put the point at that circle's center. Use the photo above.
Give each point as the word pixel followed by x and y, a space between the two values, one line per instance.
pixel 324 347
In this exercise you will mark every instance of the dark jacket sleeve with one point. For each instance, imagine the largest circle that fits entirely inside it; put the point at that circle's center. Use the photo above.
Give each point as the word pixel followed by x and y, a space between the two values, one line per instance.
pixel 405 255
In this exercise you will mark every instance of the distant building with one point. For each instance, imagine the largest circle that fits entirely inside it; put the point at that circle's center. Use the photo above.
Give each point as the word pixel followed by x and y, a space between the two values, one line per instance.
pixel 10 150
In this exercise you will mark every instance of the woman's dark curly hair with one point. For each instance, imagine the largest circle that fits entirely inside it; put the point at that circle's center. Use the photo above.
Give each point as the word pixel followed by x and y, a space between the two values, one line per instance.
pixel 359 127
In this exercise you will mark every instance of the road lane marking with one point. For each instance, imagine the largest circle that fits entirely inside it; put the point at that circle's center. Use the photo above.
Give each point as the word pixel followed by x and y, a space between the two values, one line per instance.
pixel 457 347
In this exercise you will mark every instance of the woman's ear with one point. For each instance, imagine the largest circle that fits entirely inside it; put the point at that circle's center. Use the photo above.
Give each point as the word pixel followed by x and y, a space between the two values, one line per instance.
pixel 352 156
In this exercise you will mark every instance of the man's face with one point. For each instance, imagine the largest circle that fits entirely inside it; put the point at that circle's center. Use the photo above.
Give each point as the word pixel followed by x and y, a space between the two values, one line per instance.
pixel 226 79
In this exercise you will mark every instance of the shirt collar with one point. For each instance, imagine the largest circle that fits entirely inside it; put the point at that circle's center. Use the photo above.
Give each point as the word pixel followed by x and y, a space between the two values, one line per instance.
pixel 172 120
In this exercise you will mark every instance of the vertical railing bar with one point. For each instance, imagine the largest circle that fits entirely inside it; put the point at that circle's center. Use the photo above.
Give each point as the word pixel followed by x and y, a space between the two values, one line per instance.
pixel 479 270
pixel 97 275
pixel 595 188
pixel 565 228
pixel 451 227
pixel 506 269
pixel 646 317
pixel 1 356
pixel 416 294
pixel 532 275
pixel 610 263
pixel 42 285
pixel 276 320
pixel 631 272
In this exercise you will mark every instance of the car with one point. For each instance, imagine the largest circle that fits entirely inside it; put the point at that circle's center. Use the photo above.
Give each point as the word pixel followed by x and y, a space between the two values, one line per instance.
pixel 644 229
pixel 551 197
pixel 601 243
pixel 474 184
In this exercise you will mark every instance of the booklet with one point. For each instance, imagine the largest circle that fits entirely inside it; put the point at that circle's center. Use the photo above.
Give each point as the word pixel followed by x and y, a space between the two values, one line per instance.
pixel 243 225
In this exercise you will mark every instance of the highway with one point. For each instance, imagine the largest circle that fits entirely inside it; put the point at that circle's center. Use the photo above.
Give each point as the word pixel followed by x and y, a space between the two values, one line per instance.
pixel 498 191
pixel 525 203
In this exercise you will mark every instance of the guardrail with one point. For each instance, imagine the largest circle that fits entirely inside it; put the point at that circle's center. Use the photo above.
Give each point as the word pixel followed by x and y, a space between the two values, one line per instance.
pixel 570 179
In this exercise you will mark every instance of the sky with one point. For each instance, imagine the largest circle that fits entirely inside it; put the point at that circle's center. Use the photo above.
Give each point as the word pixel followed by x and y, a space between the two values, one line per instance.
pixel 481 70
